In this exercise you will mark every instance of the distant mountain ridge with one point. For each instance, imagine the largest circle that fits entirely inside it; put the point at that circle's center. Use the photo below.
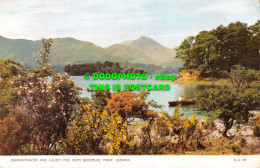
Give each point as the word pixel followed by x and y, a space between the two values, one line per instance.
pixel 69 51
pixel 144 50
pixel 64 51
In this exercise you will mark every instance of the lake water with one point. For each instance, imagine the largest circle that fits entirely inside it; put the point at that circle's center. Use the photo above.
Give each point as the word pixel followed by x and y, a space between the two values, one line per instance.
pixel 161 97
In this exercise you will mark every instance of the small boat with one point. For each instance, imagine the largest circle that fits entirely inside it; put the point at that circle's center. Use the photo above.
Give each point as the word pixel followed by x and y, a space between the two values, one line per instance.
pixel 183 102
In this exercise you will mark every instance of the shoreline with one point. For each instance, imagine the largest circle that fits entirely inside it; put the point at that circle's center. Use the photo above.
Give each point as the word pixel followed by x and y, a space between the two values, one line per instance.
pixel 201 81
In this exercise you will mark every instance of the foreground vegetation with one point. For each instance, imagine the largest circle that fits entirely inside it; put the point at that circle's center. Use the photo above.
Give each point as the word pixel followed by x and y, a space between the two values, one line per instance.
pixel 44 117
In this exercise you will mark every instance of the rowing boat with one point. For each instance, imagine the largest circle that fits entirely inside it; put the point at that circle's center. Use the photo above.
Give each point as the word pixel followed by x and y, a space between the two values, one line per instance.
pixel 183 102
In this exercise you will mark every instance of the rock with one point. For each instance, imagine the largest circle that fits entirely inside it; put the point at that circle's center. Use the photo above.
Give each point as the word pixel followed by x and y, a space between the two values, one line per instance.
pixel 215 135
pixel 189 74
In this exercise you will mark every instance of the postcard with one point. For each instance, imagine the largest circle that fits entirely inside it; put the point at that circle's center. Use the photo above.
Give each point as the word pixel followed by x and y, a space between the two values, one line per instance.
pixel 132 83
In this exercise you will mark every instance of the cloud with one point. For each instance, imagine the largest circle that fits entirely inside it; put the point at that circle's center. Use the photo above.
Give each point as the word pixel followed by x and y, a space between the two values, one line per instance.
pixel 105 22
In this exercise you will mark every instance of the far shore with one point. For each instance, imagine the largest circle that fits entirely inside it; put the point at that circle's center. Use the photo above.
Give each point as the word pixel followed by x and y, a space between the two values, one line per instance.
pixel 199 81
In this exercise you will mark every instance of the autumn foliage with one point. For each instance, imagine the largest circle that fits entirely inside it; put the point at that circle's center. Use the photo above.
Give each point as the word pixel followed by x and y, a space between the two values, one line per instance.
pixel 9 136
pixel 129 106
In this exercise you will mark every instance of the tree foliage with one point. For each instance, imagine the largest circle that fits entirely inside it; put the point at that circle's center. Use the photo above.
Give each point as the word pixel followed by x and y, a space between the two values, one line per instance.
pixel 8 70
pixel 9 136
pixel 128 105
pixel 106 67
pixel 219 49
pixel 233 102
pixel 242 78
pixel 99 98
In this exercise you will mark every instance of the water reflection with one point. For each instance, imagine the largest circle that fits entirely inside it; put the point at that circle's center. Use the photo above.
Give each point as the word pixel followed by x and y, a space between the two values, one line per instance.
pixel 161 97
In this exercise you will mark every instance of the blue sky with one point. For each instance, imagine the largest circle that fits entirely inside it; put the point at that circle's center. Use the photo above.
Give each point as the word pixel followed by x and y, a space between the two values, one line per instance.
pixel 105 22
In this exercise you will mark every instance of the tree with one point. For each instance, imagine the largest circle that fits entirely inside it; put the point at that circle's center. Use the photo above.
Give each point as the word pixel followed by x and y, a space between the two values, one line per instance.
pixel 129 106
pixel 81 69
pixel 204 52
pixel 184 51
pixel 232 102
pixel 8 70
pixel 242 78
pixel 252 59
pixel 50 104
pixel 99 98
pixel 235 43
pixel 218 50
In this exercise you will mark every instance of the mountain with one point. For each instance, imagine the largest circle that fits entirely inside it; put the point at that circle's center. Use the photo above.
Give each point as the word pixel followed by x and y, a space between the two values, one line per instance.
pixel 144 50
pixel 70 51
pixel 24 51
pixel 64 51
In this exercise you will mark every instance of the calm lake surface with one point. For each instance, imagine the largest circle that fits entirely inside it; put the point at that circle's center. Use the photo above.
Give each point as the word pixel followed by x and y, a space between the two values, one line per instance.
pixel 161 97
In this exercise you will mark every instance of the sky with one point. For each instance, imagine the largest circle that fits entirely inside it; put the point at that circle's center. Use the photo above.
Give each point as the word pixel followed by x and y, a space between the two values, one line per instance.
pixel 106 22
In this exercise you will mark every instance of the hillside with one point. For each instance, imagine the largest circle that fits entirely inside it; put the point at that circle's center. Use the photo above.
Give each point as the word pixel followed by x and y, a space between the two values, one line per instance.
pixel 144 50
pixel 70 51
pixel 64 51
pixel 24 51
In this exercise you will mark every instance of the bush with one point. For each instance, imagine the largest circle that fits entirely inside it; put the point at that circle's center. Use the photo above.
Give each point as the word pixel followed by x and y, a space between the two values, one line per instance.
pixel 9 136
pixel 92 132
